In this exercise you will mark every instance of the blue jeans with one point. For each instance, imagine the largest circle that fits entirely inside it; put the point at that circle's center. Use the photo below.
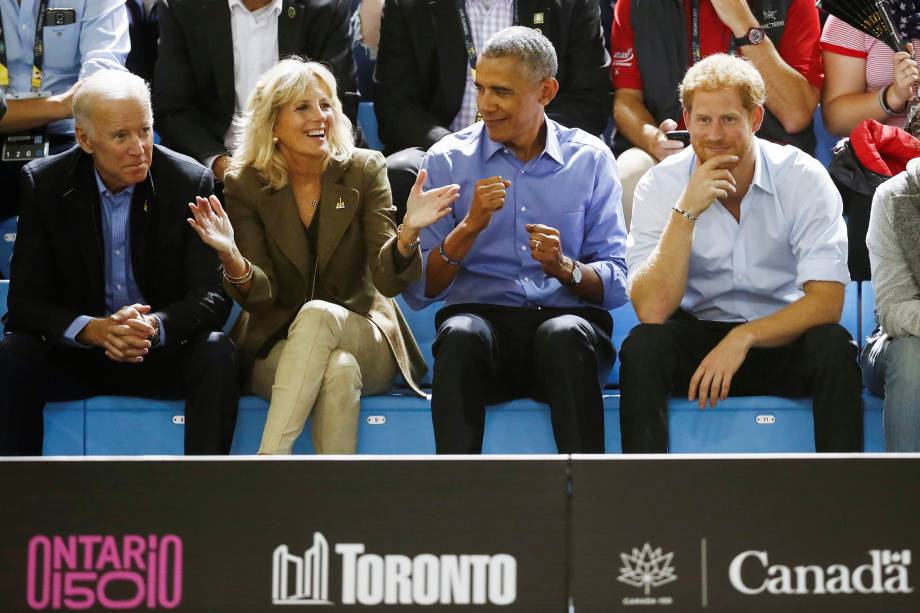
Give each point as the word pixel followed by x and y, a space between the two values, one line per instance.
pixel 891 369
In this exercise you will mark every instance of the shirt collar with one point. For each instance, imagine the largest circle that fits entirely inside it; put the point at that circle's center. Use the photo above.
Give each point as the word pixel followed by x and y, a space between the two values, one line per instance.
pixel 762 178
pixel 551 148
pixel 274 7
pixel 104 191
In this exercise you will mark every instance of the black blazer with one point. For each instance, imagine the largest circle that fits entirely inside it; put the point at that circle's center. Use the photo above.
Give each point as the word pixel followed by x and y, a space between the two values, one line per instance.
pixel 58 268
pixel 193 94
pixel 422 63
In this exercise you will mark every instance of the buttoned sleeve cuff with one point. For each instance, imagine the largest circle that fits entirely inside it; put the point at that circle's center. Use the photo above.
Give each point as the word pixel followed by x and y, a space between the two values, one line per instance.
pixel 162 330
pixel 822 270
pixel 613 277
pixel 70 334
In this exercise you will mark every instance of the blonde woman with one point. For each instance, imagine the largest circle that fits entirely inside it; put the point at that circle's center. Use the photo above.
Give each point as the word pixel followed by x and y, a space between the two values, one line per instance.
pixel 310 251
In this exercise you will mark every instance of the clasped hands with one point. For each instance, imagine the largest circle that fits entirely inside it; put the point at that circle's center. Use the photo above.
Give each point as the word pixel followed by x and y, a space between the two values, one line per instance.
pixel 124 334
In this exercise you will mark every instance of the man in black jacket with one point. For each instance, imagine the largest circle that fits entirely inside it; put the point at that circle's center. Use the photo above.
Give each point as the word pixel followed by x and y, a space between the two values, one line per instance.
pixel 212 53
pixel 112 292
pixel 424 79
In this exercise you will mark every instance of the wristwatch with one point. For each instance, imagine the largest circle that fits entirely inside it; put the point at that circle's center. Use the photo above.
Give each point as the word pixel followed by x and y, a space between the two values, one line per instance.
pixel 576 274
pixel 754 36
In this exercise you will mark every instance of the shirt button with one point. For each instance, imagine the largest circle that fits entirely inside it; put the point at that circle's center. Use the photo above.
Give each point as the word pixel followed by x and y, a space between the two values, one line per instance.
pixel 118 252
pixel 118 286
pixel 523 247
pixel 523 208
pixel 527 279
pixel 523 171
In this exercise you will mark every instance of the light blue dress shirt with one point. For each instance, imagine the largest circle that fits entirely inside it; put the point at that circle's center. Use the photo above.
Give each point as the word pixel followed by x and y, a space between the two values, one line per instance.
pixel 791 231
pixel 98 39
pixel 120 286
pixel 572 186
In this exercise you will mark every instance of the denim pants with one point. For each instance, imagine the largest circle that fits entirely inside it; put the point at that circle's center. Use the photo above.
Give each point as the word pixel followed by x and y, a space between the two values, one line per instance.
pixel 891 369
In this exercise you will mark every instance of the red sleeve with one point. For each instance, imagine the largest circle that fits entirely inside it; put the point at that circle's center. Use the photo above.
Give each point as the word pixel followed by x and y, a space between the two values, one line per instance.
pixel 799 45
pixel 624 68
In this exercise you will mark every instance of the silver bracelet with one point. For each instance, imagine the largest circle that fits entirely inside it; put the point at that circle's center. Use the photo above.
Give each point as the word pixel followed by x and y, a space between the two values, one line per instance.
pixel 883 104
pixel 687 214
pixel 239 280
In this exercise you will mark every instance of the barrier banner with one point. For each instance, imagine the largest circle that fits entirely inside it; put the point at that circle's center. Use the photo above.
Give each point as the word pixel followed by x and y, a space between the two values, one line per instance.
pixel 810 534
pixel 250 536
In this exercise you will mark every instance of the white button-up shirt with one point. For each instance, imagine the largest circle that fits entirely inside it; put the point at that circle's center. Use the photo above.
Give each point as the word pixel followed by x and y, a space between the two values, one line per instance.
pixel 255 48
pixel 791 231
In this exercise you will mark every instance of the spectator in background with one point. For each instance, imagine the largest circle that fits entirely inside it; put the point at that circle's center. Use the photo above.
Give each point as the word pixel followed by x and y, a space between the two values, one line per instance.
pixel 891 357
pixel 143 29
pixel 425 81
pixel 365 34
pixel 314 259
pixel 737 269
pixel 864 78
pixel 212 54
pixel 529 261
pixel 74 42
pixel 653 44
pixel 112 293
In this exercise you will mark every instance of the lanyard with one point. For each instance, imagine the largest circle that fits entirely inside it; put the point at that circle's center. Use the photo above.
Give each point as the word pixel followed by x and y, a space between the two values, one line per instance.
pixel 468 33
pixel 38 51
pixel 696 52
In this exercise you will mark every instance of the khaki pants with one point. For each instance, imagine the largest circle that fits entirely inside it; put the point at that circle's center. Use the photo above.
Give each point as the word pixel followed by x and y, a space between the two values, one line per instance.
pixel 632 164
pixel 330 358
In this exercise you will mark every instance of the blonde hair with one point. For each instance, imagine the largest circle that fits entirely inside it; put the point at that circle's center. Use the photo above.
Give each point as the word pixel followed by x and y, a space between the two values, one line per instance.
pixel 722 71
pixel 283 83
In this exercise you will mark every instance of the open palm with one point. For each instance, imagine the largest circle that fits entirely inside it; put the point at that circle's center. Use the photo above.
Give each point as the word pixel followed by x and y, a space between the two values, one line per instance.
pixel 424 208
pixel 211 223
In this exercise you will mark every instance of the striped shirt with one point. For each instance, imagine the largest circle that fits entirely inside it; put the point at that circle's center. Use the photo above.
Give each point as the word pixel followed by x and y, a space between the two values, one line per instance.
pixel 843 39
pixel 485 18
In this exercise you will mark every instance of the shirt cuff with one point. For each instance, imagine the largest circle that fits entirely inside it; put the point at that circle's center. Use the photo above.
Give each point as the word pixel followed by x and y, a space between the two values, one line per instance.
pixel 70 334
pixel 209 161
pixel 162 330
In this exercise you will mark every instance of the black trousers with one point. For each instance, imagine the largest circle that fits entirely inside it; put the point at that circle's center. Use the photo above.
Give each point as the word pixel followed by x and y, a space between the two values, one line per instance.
pixel 203 371
pixel 402 171
pixel 657 360
pixel 489 354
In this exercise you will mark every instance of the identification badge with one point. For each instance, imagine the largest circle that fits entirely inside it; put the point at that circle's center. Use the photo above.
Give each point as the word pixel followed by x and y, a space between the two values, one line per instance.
pixel 24 148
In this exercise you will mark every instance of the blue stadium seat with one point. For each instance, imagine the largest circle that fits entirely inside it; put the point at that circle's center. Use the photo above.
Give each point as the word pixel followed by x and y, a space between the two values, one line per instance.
pixel 368 122
pixel 422 325
pixel 7 239
pixel 875 435
pixel 826 141
pixel 867 311
pixel 624 320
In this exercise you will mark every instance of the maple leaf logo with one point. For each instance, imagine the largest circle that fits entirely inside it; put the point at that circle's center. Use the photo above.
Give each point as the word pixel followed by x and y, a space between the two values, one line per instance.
pixel 647 568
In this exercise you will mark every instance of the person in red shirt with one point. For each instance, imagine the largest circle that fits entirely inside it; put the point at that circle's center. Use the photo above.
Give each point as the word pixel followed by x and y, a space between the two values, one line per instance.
pixel 780 37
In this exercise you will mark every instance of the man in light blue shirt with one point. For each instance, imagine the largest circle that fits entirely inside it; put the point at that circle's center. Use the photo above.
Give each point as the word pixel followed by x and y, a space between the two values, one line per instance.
pixel 77 38
pixel 528 260
pixel 737 268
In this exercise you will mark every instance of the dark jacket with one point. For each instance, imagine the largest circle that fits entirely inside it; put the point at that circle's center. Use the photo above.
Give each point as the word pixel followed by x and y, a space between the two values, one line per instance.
pixel 58 268
pixel 422 66
pixel 194 96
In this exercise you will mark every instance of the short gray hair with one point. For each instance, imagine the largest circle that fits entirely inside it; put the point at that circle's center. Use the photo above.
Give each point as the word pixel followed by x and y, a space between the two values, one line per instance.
pixel 105 86
pixel 535 52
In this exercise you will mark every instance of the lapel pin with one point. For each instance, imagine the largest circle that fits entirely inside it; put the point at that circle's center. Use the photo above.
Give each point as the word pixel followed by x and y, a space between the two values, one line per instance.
pixel 340 204
pixel 292 12
pixel 537 19
pixel 145 206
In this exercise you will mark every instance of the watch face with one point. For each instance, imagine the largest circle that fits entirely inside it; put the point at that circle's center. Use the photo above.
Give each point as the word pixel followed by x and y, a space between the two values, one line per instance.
pixel 576 274
pixel 756 36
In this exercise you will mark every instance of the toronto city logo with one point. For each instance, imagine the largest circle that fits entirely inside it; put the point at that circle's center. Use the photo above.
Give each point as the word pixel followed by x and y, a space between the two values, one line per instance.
pixel 370 579
pixel 647 568
pixel 105 571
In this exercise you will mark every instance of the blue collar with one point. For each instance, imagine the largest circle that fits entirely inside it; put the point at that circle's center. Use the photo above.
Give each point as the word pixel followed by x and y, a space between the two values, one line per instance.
pixel 551 148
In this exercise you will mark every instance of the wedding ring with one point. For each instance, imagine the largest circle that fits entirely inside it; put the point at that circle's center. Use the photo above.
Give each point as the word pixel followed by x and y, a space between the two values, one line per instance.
pixel 537 246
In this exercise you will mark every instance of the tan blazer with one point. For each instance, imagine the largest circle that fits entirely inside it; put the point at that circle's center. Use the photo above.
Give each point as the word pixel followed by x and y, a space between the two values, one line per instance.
pixel 356 244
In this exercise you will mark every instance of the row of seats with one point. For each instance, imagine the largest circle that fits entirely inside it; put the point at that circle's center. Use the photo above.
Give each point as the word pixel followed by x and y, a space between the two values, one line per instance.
pixel 400 423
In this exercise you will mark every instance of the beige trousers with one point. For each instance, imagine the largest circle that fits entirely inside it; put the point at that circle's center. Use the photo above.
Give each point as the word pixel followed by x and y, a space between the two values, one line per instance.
pixel 329 359
pixel 632 164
